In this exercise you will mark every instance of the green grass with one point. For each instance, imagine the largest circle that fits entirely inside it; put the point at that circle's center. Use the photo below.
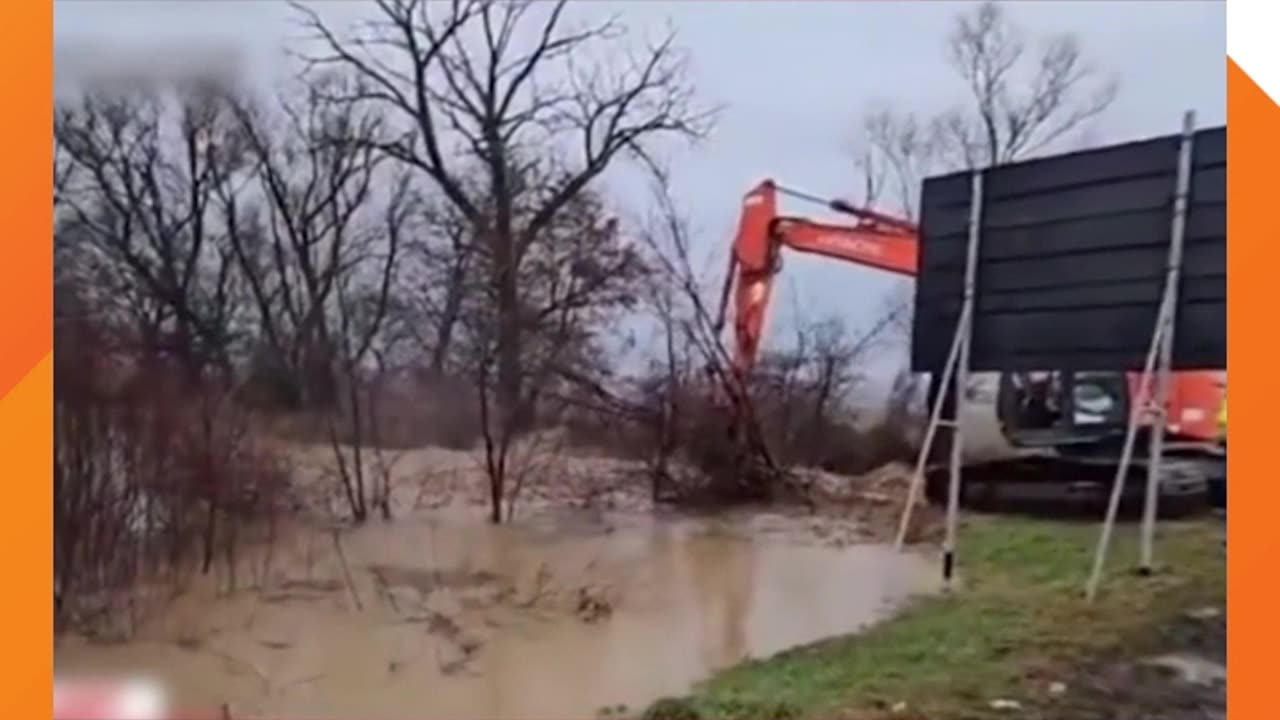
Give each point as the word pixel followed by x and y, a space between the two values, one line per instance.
pixel 1020 608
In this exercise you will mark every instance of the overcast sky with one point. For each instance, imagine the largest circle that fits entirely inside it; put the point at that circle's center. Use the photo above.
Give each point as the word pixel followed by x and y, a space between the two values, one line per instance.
pixel 794 77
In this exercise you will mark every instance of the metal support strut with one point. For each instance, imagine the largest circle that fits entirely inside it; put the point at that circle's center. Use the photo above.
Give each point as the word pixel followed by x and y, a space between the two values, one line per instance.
pixel 1156 374
pixel 957 364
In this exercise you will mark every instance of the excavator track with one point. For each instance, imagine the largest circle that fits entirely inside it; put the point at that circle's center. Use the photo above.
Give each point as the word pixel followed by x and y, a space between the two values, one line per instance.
pixel 1071 487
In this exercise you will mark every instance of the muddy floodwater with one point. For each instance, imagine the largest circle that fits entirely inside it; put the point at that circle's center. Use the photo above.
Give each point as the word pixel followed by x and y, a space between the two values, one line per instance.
pixel 442 615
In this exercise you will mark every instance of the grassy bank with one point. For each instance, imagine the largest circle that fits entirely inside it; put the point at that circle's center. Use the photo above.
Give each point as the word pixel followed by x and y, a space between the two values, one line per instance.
pixel 1018 625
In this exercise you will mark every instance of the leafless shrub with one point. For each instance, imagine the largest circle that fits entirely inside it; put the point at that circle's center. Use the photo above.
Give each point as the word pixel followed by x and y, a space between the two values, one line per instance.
pixel 146 490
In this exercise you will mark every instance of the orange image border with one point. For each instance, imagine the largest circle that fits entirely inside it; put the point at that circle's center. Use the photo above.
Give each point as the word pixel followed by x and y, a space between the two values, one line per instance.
pixel 26 357
pixel 26 371
pixel 1253 155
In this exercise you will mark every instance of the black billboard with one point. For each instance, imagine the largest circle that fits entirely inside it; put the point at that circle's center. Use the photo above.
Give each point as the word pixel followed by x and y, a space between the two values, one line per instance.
pixel 1072 259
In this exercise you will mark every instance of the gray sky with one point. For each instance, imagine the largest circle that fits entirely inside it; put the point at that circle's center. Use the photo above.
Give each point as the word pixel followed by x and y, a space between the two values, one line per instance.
pixel 794 76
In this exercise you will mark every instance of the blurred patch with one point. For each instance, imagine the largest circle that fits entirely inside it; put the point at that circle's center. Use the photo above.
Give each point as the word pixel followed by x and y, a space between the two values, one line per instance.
pixel 101 698
pixel 95 65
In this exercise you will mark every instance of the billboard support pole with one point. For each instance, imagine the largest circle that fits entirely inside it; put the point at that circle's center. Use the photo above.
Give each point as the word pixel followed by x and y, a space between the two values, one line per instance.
pixel 931 430
pixel 958 364
pixel 1156 372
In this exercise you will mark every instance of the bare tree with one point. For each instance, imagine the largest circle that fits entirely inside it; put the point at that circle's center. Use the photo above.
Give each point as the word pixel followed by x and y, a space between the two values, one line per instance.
pixel 893 151
pixel 438 280
pixel 670 374
pixel 575 281
pixel 835 357
pixel 305 229
pixel 536 122
pixel 138 176
pixel 1026 94
pixel 465 78
pixel 361 301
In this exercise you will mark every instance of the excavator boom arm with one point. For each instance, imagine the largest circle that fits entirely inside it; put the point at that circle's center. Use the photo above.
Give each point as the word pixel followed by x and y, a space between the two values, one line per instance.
pixel 871 246
pixel 877 240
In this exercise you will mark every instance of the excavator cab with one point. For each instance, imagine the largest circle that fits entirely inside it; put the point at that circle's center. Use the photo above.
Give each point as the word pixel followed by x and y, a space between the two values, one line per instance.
pixel 1052 408
pixel 1074 410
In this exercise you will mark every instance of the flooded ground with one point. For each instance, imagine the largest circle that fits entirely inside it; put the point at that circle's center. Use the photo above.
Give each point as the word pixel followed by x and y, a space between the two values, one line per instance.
pixel 441 615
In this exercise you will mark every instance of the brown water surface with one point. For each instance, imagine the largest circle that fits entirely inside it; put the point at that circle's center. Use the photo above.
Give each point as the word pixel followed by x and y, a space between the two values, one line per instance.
pixel 445 616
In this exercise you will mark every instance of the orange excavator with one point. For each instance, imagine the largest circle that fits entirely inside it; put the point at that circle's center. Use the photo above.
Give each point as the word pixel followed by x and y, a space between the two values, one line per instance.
pixel 1010 415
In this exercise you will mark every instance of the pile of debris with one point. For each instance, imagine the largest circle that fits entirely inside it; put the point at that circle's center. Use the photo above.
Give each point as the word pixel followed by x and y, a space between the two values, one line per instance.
pixel 874 500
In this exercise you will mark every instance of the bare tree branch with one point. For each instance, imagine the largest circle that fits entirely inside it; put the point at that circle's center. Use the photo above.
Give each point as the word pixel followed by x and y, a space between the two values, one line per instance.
pixel 140 171
pixel 1022 102
pixel 315 167
pixel 513 115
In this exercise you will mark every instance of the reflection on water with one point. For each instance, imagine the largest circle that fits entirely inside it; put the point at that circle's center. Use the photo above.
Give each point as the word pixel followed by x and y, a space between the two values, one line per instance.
pixel 448 617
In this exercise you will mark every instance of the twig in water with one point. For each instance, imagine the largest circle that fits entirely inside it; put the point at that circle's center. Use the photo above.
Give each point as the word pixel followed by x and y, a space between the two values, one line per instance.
pixel 346 570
